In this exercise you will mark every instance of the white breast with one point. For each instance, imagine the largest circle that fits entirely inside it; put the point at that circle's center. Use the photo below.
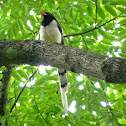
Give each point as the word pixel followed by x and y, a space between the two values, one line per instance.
pixel 50 33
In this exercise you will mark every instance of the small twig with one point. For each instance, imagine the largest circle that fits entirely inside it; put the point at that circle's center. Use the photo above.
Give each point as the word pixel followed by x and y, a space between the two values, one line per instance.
pixel 108 107
pixel 22 91
pixel 90 81
pixel 9 99
pixel 57 7
pixel 104 92
pixel 96 16
pixel 64 16
pixel 93 28
pixel 85 42
pixel 3 2
pixel 34 32
pixel 15 99
pixel 106 99
pixel 39 111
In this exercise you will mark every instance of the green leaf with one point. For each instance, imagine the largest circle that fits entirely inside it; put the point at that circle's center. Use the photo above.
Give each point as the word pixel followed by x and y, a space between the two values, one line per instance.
pixel 2 34
pixel 16 75
pixel 118 87
pixel 2 68
pixel 29 67
pixel 110 10
pixel 14 7
pixel 123 22
pixel 70 120
pixel 114 3
pixel 121 9
pixel 41 121
pixel 105 1
pixel 94 33
pixel 71 13
pixel 50 93
pixel 87 87
pixel 123 47
pixel 42 94
pixel 109 26
pixel 23 74
pixel 124 97
pixel 23 36
pixel 32 19
pixel 10 33
pixel 102 32
pixel 103 46
pixel 40 81
pixel 74 28
pixel 111 49
pixel 122 55
pixel 123 2
pixel 101 12
pixel 1 8
pixel 20 25
pixel 57 13
pixel 11 122
pixel 112 96
pixel 35 91
pixel 27 27
pixel 89 10
pixel 16 29
pixel 110 37
pixel 105 41
pixel 48 99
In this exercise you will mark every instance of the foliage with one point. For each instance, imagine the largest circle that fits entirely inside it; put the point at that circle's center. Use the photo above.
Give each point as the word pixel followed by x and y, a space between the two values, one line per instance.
pixel 97 103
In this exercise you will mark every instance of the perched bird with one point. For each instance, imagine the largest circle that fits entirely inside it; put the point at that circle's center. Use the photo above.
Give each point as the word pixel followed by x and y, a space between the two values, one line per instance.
pixel 51 30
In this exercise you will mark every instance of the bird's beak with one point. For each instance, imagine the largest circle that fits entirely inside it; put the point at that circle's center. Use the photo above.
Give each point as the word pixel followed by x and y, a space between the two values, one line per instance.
pixel 42 13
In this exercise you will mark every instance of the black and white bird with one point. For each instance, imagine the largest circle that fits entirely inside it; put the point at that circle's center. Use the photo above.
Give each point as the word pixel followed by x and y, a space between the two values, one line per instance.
pixel 51 30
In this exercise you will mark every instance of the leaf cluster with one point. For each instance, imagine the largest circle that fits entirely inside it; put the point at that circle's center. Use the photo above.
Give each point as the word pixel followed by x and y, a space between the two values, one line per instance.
pixel 97 103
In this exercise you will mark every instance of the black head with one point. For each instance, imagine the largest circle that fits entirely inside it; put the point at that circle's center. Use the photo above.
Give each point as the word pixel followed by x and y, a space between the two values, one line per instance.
pixel 47 18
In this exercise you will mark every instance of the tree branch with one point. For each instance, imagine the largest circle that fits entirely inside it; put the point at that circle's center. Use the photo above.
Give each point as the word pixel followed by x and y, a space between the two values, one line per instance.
pixel 22 91
pixel 96 15
pixel 93 28
pixel 4 89
pixel 64 16
pixel 37 52
pixel 39 111
pixel 20 95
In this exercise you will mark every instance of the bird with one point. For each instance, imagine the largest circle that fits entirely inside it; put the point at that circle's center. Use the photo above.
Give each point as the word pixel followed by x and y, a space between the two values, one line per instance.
pixel 51 30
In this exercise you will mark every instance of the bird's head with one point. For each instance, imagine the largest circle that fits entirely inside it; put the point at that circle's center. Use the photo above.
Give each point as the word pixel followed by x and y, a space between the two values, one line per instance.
pixel 47 15
pixel 47 18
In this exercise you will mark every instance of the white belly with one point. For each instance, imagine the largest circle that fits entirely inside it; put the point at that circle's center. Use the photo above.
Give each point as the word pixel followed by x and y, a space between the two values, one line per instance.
pixel 50 33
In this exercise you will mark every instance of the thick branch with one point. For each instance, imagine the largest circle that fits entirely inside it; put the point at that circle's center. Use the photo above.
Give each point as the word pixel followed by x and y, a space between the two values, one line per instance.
pixel 4 89
pixel 36 52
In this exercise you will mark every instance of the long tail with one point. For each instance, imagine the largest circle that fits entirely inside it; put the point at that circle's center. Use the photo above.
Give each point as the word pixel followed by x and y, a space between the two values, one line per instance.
pixel 63 88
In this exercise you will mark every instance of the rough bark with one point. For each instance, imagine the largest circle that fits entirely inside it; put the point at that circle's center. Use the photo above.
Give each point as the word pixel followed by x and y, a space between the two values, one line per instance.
pixel 36 52
pixel 4 89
